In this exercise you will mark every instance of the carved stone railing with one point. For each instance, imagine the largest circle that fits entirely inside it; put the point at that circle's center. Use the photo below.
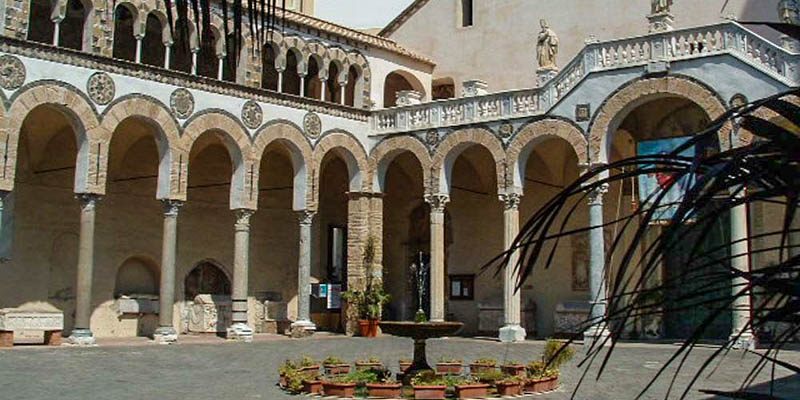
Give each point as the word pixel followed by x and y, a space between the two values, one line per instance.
pixel 706 41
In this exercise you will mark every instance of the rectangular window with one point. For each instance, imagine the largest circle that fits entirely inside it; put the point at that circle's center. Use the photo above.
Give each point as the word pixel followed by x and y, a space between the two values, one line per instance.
pixel 466 13
pixel 462 287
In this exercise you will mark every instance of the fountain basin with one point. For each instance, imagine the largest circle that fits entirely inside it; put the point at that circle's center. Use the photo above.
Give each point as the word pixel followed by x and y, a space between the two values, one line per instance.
pixel 420 332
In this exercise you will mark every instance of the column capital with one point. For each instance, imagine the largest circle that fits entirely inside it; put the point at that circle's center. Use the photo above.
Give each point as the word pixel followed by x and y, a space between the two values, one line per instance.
pixel 596 195
pixel 171 207
pixel 511 200
pixel 306 217
pixel 88 201
pixel 243 218
pixel 437 201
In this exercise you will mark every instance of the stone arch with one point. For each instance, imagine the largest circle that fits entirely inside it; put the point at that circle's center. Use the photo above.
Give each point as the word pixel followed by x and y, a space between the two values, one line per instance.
pixel 236 140
pixel 746 137
pixel 299 47
pixel 338 56
pixel 350 150
pixel 167 136
pixel 363 92
pixel 386 151
pixel 220 284
pixel 635 93
pixel 69 100
pixel 453 145
pixel 532 135
pixel 301 156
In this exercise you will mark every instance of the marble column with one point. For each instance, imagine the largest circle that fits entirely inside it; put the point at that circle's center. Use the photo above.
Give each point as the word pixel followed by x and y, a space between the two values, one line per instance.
pixel 139 39
pixel 323 88
pixel 241 259
pixel 220 66
pixel 598 287
pixel 303 322
pixel 342 91
pixel 280 80
pixel 512 330
pixel 742 335
pixel 437 278
pixel 302 85
pixel 167 54
pixel 194 61
pixel 166 332
pixel 57 31
pixel 82 333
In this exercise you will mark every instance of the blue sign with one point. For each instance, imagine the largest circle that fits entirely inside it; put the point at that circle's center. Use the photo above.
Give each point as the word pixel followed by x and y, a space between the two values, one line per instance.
pixel 651 185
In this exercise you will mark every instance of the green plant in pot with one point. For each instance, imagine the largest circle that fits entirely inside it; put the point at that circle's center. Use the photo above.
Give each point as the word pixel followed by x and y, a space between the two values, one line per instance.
pixel 429 385
pixel 370 301
pixel 543 374
pixel 335 366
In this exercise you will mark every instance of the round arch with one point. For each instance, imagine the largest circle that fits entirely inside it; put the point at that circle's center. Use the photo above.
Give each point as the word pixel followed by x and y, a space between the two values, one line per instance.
pixel 635 93
pixel 386 151
pixel 524 142
pixel 300 152
pixel 397 81
pixel 351 152
pixel 453 145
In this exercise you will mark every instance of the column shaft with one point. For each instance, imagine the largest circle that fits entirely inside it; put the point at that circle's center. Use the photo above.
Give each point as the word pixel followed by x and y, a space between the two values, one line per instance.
pixel 741 334
pixel 598 288
pixel 82 333
pixel 304 271
pixel 241 259
pixel 280 81
pixel 139 50
pixel 512 330
pixel 166 332
pixel 302 85
pixel 437 278
pixel 167 51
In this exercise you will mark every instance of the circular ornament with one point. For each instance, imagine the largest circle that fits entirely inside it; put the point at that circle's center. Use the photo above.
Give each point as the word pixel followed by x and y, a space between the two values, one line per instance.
pixel 100 88
pixel 182 103
pixel 506 130
pixel 432 138
pixel 252 116
pixel 12 72
pixel 312 125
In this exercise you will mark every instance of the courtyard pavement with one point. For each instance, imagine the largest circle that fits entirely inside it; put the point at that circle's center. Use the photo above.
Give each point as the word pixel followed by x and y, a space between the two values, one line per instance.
pixel 213 369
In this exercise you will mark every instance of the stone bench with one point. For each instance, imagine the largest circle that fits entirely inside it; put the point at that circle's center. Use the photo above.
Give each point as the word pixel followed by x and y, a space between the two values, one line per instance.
pixel 12 319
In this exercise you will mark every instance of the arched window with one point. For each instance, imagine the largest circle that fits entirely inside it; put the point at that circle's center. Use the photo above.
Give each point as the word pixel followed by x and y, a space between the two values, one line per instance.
pixel 269 75
pixel 40 24
pixel 395 82
pixel 443 88
pixel 352 83
pixel 153 50
pixel 207 61
pixel 313 84
pixel 74 25
pixel 124 40
pixel 232 60
pixel 206 278
pixel 332 90
pixel 181 57
pixel 291 79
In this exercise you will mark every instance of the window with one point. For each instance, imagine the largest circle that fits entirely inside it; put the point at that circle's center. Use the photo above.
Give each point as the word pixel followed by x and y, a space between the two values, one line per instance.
pixel 466 13
pixel 462 287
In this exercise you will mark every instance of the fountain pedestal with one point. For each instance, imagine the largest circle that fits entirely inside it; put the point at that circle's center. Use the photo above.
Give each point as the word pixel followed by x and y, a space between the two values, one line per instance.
pixel 420 332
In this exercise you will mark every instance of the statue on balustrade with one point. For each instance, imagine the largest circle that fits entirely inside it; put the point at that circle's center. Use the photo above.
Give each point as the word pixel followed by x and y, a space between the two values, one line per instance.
pixel 660 6
pixel 547 47
pixel 789 12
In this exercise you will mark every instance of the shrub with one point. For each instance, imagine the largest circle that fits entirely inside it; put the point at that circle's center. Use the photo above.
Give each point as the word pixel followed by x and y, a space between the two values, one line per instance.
pixel 486 361
pixel 371 360
pixel 490 376
pixel 420 317
pixel 287 367
pixel 428 378
pixel 331 360
pixel 307 361
pixel 556 353
pixel 294 381
pixel 450 360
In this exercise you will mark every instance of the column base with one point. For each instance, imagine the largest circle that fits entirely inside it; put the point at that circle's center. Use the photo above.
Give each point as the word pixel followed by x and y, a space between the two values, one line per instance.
pixel 743 341
pixel 165 335
pixel 82 337
pixel 512 334
pixel 594 335
pixel 301 329
pixel 240 332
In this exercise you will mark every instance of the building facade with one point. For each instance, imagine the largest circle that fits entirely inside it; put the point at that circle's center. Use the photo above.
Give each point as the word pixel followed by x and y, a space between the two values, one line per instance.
pixel 152 187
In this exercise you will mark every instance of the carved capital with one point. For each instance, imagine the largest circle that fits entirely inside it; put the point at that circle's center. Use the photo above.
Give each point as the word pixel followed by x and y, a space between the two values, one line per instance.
pixel 243 218
pixel 88 201
pixel 171 207
pixel 306 217
pixel 511 200
pixel 437 201
pixel 596 195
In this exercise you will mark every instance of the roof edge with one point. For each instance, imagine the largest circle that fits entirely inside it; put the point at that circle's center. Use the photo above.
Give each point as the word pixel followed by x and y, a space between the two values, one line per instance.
pixel 399 20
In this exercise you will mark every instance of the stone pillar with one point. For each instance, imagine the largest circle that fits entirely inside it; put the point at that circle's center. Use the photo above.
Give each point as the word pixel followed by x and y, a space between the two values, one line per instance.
pixel 323 87
pixel 82 333
pixel 139 39
pixel 512 330
pixel 742 335
pixel 166 332
pixel 194 61
pixel 241 259
pixel 342 92
pixel 167 52
pixel 220 67
pixel 358 207
pixel 598 287
pixel 302 85
pixel 303 326
pixel 280 80
pixel 56 30
pixel 437 278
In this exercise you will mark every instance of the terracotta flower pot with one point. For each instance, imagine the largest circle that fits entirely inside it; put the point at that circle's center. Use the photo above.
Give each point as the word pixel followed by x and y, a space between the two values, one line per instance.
pixel 282 382
pixel 509 388
pixel 368 365
pixel 368 328
pixel 476 391
pixel 373 328
pixel 311 371
pixel 312 387
pixel 448 368
pixel 430 392
pixel 385 390
pixel 513 370
pixel 475 368
pixel 337 369
pixel 346 390
pixel 404 365
pixel 552 383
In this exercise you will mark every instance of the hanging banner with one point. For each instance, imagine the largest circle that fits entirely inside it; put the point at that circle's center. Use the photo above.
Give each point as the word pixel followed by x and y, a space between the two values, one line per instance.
pixel 651 185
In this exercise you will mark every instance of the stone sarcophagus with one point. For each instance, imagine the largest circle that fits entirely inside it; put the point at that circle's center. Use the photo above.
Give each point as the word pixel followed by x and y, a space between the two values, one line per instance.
pixel 570 318
pixel 12 319
pixel 276 318
pixel 210 314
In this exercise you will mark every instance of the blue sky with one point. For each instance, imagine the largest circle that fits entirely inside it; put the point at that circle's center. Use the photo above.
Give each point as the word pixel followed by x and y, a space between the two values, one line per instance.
pixel 360 13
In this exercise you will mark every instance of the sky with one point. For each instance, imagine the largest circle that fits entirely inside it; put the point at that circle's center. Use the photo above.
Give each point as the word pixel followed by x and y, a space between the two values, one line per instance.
pixel 360 14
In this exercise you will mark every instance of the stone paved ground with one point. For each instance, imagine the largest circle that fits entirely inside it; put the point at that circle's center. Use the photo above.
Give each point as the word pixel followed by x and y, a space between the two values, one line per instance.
pixel 218 371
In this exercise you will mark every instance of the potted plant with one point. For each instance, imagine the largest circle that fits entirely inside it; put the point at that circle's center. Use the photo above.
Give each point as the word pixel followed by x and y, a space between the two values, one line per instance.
pixel 340 386
pixel 543 374
pixel 383 386
pixel 294 381
pixel 404 364
pixel 509 386
pixel 449 366
pixel 471 388
pixel 482 365
pixel 489 377
pixel 312 386
pixel 369 302
pixel 429 386
pixel 308 366
pixel 513 368
pixel 372 362
pixel 287 367
pixel 335 366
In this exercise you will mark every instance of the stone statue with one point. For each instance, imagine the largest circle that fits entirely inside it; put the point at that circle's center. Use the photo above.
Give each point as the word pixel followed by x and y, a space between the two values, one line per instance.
pixel 660 6
pixel 788 12
pixel 547 47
